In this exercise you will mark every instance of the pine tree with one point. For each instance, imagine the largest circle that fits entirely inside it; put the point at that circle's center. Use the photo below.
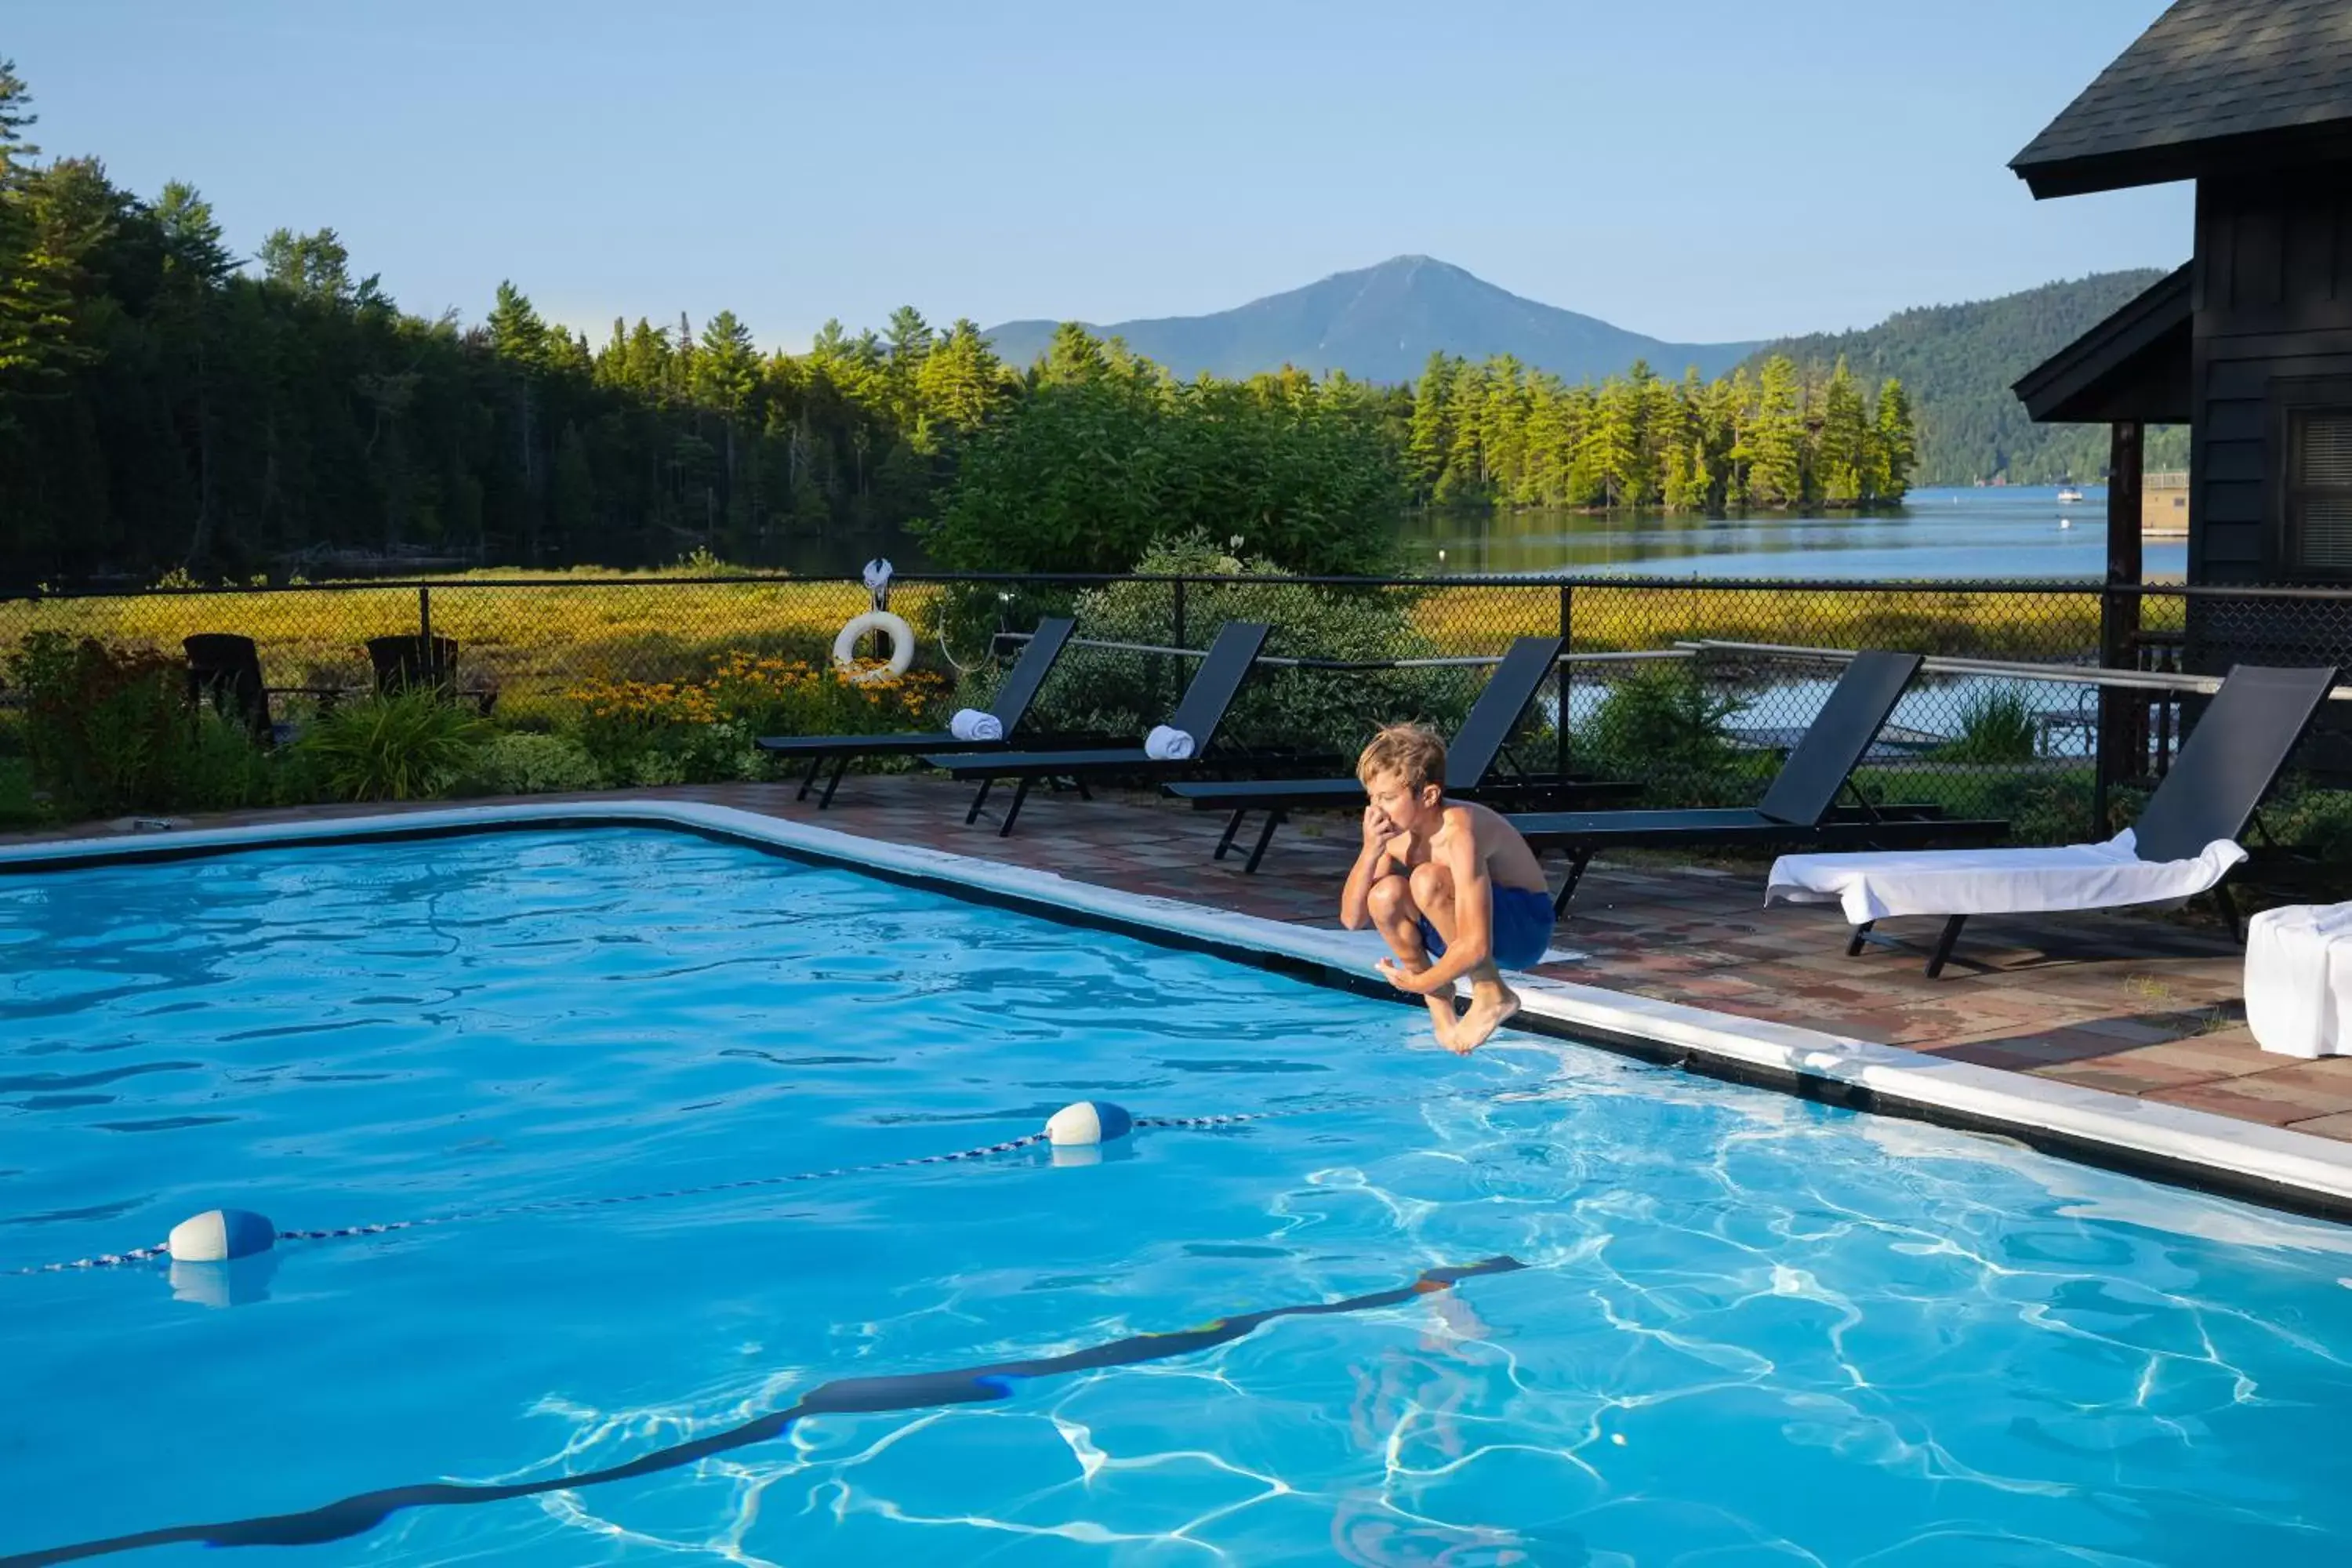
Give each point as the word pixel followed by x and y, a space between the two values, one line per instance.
pixel 1074 354
pixel 1840 454
pixel 1464 476
pixel 1550 443
pixel 1894 445
pixel 909 337
pixel 36 313
pixel 726 375
pixel 314 267
pixel 1430 435
pixel 1613 444
pixel 1675 436
pixel 1776 475
pixel 1502 428
pixel 517 334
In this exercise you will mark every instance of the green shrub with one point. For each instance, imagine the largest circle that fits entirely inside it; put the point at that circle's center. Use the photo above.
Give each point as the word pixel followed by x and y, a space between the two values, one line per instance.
pixel 2316 820
pixel 1108 454
pixel 1662 725
pixel 407 746
pixel 527 764
pixel 1996 726
pixel 107 730
pixel 2055 807
pixel 18 806
pixel 1280 708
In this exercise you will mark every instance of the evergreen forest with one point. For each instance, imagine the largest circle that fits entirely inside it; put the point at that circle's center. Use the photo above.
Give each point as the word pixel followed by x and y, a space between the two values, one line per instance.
pixel 168 406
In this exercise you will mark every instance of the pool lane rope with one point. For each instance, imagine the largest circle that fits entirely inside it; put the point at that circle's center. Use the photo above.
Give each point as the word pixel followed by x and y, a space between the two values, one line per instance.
pixel 355 1515
pixel 224 1235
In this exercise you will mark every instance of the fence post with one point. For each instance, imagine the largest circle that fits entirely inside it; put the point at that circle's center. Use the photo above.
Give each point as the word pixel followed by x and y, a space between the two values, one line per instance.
pixel 1560 725
pixel 1176 639
pixel 2115 754
pixel 425 617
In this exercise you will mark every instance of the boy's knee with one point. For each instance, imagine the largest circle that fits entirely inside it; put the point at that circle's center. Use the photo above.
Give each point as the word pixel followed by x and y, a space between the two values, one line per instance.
pixel 1391 898
pixel 1431 885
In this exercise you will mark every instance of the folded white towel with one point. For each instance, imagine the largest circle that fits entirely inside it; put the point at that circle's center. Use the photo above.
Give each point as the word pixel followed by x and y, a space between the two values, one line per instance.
pixel 2299 980
pixel 1167 746
pixel 971 725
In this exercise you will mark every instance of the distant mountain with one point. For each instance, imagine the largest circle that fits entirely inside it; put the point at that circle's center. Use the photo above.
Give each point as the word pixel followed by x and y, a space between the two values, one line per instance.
pixel 1381 324
pixel 1957 361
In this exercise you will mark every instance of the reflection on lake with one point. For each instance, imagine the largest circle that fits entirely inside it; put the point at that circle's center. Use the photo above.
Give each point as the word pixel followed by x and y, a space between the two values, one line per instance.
pixel 2019 530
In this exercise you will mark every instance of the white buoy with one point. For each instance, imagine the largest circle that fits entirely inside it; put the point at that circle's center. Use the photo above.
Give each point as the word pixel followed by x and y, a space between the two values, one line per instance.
pixel 217 1236
pixel 1088 1121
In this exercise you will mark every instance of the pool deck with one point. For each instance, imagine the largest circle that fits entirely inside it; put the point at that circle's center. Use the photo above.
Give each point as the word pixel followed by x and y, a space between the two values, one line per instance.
pixel 2147 1006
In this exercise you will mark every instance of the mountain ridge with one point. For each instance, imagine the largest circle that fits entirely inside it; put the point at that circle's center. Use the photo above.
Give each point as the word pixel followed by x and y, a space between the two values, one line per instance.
pixel 1381 324
pixel 1958 362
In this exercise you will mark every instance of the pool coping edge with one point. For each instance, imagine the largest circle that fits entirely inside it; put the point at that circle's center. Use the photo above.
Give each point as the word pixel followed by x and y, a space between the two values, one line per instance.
pixel 2268 1164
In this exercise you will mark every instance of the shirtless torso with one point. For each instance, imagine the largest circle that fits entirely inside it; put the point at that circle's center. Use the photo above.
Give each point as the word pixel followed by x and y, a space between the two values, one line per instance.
pixel 1494 843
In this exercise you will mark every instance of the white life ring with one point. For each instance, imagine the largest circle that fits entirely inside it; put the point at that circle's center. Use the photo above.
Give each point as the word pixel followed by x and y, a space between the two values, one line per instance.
pixel 902 644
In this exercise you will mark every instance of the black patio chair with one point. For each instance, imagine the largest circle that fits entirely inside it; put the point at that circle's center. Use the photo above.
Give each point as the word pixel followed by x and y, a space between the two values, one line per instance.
pixel 1203 709
pixel 1010 707
pixel 2231 761
pixel 225 671
pixel 1801 807
pixel 1473 762
pixel 402 663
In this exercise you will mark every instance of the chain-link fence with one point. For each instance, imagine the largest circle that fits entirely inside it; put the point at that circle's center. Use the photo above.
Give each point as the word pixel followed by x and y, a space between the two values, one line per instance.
pixel 1695 691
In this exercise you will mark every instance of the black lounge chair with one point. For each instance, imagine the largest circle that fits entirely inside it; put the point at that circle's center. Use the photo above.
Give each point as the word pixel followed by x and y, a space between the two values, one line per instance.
pixel 1010 707
pixel 1801 808
pixel 2231 759
pixel 1470 761
pixel 1214 685
pixel 402 663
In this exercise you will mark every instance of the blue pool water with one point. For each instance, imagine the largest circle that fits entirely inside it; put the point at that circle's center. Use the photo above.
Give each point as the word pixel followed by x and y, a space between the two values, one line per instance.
pixel 1748 1330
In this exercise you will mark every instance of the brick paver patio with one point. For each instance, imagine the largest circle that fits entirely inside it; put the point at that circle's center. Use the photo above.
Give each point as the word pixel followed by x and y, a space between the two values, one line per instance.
pixel 2141 1004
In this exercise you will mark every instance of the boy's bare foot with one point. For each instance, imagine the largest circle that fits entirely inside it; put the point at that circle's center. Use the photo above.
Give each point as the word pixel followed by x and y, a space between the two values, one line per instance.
pixel 1441 1017
pixel 1489 1010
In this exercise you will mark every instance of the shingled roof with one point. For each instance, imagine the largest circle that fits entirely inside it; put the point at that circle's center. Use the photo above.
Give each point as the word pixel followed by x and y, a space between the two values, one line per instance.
pixel 2211 83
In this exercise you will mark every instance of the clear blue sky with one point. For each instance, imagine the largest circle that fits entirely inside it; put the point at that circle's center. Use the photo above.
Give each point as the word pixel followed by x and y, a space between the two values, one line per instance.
pixel 1694 169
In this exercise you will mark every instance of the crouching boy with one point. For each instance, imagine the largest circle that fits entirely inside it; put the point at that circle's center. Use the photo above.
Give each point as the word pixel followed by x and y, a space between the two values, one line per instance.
pixel 1453 888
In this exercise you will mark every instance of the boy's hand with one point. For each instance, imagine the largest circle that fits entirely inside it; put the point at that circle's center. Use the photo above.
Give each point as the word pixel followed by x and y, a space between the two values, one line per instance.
pixel 1404 979
pixel 1377 827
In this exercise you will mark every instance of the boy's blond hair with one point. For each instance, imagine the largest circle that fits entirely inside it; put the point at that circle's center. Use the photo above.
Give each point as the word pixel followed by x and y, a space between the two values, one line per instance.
pixel 1412 752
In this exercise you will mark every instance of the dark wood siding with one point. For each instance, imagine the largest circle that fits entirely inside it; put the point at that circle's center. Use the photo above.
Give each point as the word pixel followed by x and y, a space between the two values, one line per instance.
pixel 2272 301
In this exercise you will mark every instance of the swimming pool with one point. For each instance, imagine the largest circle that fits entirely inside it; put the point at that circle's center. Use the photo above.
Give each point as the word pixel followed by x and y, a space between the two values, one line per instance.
pixel 1745 1328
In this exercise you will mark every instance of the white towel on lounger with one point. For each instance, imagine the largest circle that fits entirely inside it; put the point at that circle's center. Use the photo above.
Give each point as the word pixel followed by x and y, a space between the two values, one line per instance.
pixel 972 724
pixel 1876 885
pixel 1167 746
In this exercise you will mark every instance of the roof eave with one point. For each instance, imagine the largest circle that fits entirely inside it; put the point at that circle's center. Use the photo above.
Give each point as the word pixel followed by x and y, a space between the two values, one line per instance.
pixel 2324 141
pixel 2094 378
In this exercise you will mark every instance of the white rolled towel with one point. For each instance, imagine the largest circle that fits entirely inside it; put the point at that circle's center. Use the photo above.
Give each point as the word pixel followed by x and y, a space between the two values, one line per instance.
pixel 1167 746
pixel 971 725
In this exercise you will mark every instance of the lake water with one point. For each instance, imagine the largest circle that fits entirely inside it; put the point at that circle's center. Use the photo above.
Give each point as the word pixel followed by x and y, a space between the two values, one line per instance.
pixel 2019 530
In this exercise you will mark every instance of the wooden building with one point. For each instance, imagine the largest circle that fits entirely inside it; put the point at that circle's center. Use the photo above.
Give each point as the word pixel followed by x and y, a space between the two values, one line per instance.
pixel 2249 344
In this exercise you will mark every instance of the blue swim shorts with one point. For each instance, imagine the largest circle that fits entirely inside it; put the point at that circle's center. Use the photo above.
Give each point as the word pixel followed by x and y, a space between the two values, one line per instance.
pixel 1522 929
